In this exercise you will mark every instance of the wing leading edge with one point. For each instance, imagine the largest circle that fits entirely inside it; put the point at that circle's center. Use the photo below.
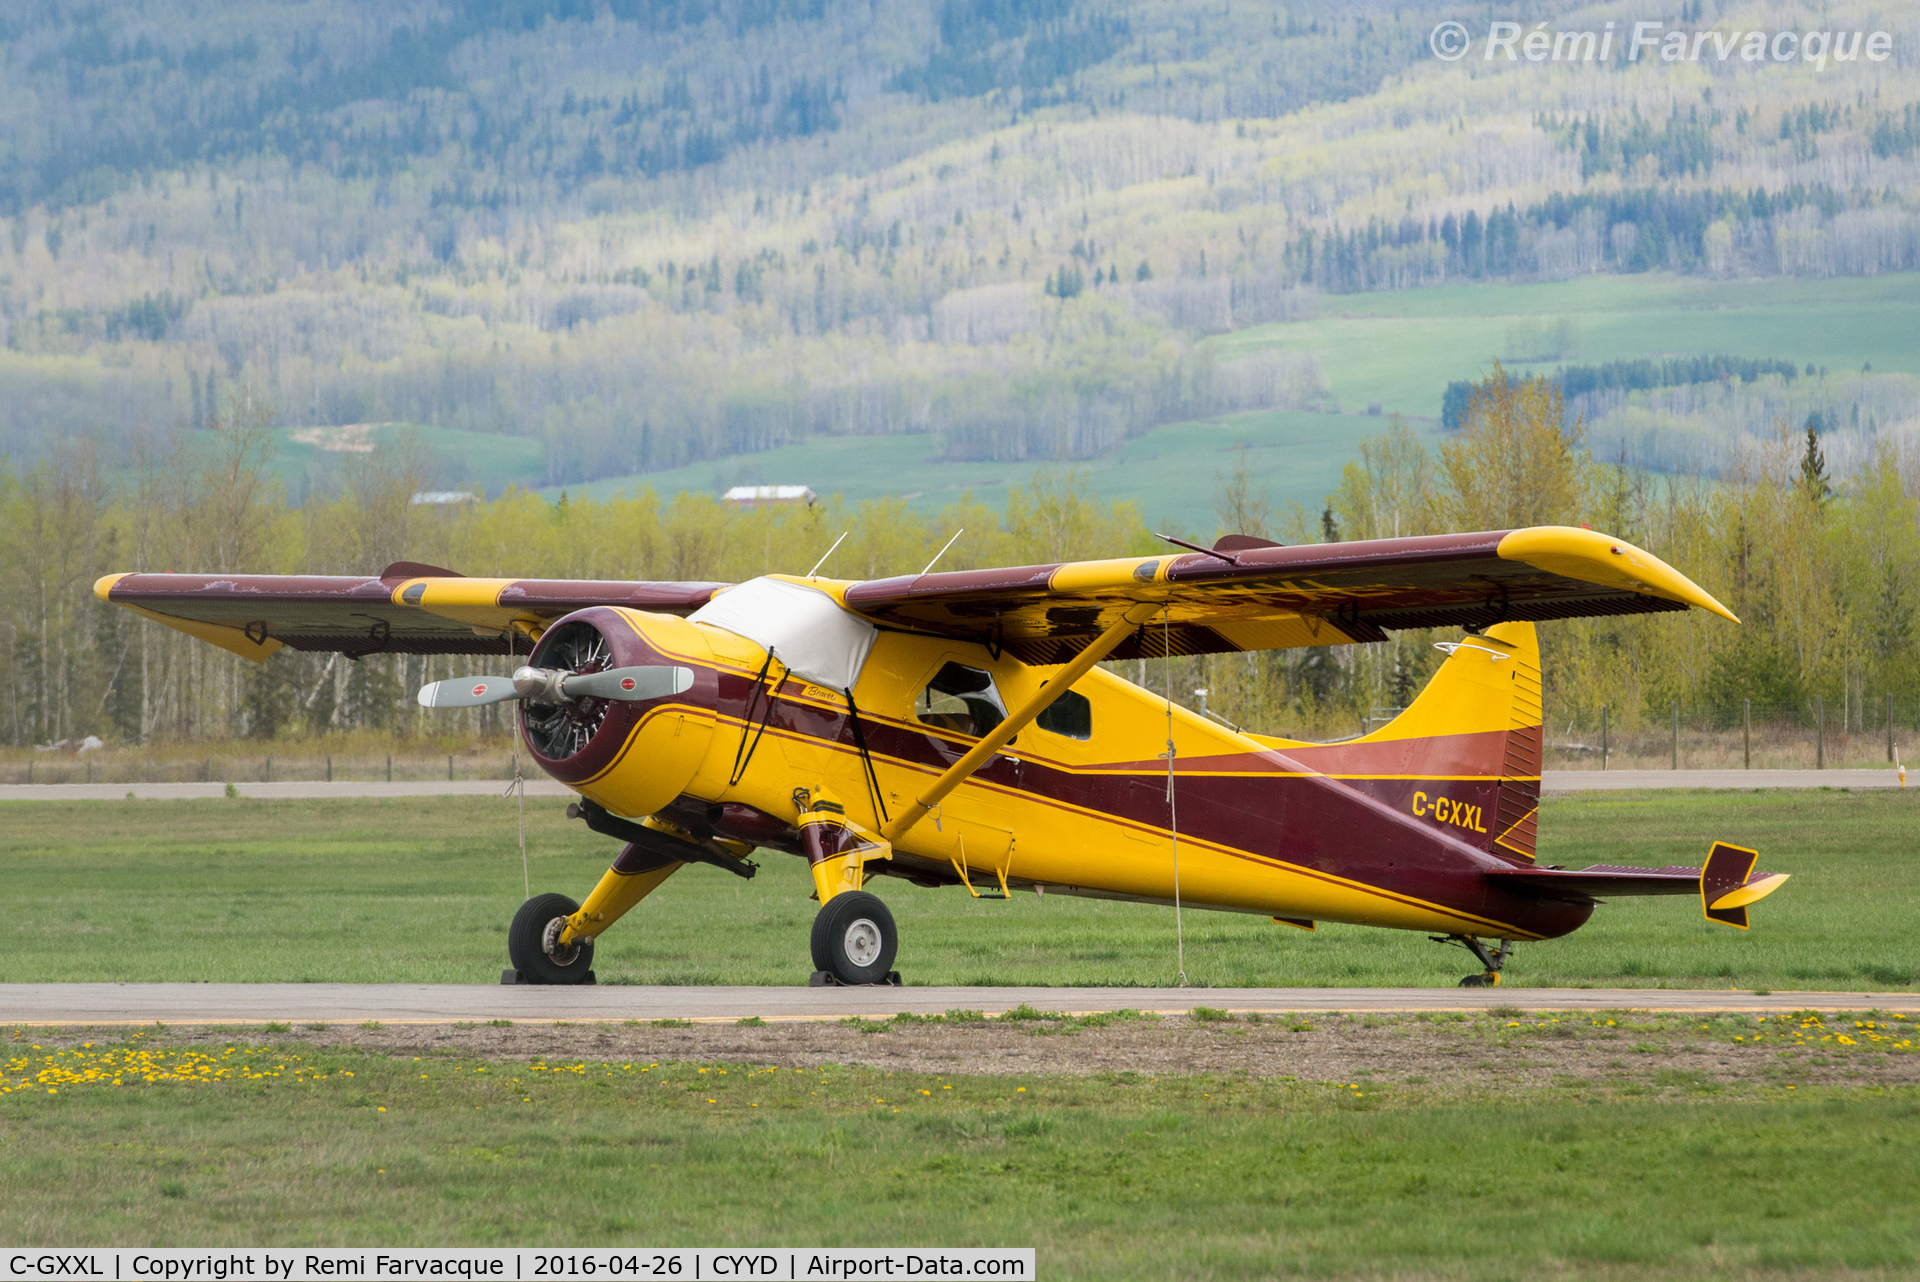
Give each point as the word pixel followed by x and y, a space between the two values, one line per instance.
pixel 408 609
pixel 1264 598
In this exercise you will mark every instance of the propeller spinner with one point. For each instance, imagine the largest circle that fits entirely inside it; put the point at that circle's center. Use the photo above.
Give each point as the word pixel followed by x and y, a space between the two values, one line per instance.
pixel 550 685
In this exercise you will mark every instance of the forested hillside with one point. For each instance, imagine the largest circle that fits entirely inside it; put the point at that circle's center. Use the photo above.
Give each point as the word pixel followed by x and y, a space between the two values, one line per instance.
pixel 646 232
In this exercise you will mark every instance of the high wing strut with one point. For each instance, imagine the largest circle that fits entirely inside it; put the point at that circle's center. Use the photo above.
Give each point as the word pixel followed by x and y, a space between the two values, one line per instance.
pixel 1038 702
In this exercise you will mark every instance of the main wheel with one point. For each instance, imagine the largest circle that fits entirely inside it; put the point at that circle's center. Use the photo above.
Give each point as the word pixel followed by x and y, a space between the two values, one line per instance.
pixel 854 939
pixel 533 943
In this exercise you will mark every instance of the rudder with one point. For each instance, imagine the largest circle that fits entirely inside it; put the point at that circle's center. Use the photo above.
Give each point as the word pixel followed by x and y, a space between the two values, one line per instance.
pixel 1519 809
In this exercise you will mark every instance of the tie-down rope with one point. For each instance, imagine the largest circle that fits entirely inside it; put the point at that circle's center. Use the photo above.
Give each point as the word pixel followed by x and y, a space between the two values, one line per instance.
pixel 1173 814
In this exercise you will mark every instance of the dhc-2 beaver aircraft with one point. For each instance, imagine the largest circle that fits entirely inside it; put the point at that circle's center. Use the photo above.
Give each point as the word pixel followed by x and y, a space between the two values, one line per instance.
pixel 952 729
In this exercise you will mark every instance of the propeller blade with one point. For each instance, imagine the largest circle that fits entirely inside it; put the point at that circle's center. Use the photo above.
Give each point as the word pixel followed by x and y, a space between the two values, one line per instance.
pixel 467 692
pixel 652 681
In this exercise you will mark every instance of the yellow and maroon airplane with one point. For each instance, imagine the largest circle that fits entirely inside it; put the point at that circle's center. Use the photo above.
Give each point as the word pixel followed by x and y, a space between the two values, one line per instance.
pixel 952 729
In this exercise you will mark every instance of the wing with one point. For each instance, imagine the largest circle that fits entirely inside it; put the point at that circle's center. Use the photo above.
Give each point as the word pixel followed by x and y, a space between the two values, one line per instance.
pixel 409 609
pixel 1271 598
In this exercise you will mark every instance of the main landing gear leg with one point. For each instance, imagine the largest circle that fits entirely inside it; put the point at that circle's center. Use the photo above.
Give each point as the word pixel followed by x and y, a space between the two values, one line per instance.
pixel 1491 958
pixel 854 938
pixel 551 939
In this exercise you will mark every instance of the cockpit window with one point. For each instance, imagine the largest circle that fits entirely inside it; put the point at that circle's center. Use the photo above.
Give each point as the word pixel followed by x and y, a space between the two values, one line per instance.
pixel 1070 715
pixel 962 700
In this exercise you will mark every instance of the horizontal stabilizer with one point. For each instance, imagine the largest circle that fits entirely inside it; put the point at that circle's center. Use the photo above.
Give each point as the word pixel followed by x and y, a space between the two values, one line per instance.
pixel 1601 879
pixel 1726 885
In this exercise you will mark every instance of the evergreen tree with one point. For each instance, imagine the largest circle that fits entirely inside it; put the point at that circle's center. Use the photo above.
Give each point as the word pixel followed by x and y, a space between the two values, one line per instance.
pixel 1813 463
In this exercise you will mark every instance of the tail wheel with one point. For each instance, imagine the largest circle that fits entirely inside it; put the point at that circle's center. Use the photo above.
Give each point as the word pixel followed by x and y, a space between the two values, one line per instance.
pixel 854 938
pixel 533 943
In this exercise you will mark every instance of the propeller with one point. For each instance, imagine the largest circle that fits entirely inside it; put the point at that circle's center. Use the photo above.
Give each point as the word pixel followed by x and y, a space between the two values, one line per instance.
pixel 467 692
pixel 549 685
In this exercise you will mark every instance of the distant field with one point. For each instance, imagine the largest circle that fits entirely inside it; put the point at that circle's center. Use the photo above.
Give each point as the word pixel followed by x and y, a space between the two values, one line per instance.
pixel 421 890
pixel 1397 349
pixel 482 462
pixel 1403 348
pixel 1173 472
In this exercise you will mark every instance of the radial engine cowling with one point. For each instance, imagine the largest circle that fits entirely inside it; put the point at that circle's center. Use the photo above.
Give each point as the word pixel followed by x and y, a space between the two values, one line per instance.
pixel 631 757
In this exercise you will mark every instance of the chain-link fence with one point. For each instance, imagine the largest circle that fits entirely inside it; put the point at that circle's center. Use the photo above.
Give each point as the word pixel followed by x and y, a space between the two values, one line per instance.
pixel 1857 732
pixel 228 762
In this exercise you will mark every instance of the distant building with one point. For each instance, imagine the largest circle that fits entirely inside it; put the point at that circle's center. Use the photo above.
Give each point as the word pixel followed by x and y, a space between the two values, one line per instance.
pixel 754 495
pixel 444 498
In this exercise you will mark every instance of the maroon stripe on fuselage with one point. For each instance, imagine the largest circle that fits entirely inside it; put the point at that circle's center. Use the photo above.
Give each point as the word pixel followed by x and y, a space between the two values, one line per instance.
pixel 1482 753
pixel 1303 820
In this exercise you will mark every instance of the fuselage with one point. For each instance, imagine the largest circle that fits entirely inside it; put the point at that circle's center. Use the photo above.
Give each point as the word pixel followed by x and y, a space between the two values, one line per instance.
pixel 1249 824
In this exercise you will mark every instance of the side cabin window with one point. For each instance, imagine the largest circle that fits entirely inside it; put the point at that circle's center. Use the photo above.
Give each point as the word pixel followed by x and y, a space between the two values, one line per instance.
pixel 1070 715
pixel 961 699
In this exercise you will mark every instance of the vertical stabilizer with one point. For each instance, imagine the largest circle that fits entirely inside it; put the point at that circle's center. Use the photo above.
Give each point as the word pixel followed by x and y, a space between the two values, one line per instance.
pixel 1466 754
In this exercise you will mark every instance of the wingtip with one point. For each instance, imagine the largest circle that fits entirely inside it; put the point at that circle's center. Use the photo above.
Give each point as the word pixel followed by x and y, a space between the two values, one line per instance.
pixel 1593 557
pixel 104 584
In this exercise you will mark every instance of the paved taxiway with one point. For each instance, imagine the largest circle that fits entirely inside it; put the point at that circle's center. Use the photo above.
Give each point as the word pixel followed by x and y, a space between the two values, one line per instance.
pixel 1563 781
pixel 70 1004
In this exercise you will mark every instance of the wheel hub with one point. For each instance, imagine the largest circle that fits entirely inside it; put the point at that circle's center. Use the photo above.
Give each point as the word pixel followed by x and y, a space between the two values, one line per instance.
pixel 560 954
pixel 863 942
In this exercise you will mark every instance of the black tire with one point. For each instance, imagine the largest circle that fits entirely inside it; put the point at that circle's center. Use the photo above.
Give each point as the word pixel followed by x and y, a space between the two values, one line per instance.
pixel 854 938
pixel 1479 981
pixel 526 944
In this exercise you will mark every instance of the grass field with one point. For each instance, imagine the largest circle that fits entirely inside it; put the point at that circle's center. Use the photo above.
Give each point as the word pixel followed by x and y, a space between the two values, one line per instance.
pixel 421 890
pixel 482 462
pixel 1400 349
pixel 1173 473
pixel 1403 348
pixel 1647 1171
